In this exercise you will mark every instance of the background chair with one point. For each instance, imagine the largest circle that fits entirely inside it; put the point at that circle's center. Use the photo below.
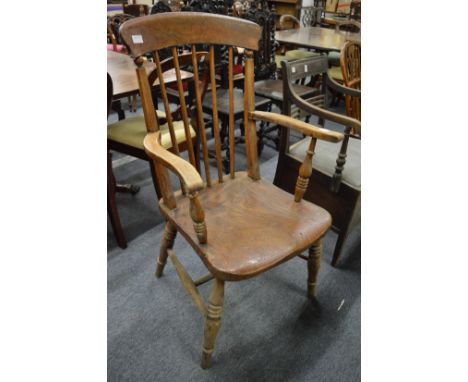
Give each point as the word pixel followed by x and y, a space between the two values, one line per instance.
pixel 350 62
pixel 239 225
pixel 111 183
pixel 292 54
pixel 126 136
pixel 335 183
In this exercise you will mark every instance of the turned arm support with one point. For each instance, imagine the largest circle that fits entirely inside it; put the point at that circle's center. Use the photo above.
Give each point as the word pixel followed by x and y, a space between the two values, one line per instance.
pixel 305 171
pixel 186 173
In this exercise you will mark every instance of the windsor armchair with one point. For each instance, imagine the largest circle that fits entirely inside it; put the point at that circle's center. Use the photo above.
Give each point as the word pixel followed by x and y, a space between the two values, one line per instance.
pixel 239 225
pixel 335 183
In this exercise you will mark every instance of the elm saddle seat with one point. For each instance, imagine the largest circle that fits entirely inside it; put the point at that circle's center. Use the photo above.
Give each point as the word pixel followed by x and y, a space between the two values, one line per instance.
pixel 238 224
pixel 282 227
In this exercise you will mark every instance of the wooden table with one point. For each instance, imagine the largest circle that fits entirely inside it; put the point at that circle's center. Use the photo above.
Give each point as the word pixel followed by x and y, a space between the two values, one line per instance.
pixel 123 73
pixel 317 38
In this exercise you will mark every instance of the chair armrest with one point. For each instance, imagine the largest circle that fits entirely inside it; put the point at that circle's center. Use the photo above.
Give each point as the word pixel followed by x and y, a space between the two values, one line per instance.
pixel 296 124
pixel 305 170
pixel 183 169
pixel 326 114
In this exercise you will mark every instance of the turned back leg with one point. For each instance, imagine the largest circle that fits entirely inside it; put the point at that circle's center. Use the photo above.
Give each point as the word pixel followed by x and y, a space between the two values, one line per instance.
pixel 167 242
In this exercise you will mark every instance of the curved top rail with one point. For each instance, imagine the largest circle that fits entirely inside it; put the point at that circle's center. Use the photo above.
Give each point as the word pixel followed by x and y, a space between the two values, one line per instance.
pixel 149 33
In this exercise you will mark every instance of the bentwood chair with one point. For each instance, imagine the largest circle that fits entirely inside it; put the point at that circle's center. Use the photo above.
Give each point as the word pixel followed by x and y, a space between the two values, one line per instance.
pixel 350 63
pixel 239 225
pixel 335 183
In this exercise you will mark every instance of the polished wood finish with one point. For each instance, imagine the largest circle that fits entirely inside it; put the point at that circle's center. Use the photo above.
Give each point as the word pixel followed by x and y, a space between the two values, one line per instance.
pixel 213 321
pixel 195 31
pixel 240 226
pixel 317 38
pixel 350 62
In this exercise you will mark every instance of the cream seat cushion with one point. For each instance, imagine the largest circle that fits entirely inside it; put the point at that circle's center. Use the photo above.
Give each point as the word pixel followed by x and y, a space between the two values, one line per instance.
pixel 324 159
pixel 335 73
pixel 131 131
pixel 298 54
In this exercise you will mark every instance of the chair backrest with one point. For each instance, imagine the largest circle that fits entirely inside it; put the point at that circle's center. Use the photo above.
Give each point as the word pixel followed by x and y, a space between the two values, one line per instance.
pixel 193 31
pixel 115 21
pixel 315 69
pixel 348 25
pixel 264 59
pixel 350 62
pixel 286 21
pixel 311 16
pixel 136 10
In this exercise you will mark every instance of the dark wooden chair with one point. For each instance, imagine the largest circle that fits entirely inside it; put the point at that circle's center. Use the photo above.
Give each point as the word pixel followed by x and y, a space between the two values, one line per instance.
pixel 266 83
pixel 136 10
pixel 126 136
pixel 239 225
pixel 112 184
pixel 335 183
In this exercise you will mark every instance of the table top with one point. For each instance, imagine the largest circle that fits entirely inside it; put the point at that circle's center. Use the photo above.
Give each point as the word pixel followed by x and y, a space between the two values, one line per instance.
pixel 317 38
pixel 122 70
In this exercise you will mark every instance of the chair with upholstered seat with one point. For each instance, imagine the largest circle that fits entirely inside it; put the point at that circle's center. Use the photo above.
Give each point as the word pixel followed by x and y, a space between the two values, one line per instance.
pixel 238 224
pixel 335 183
pixel 293 54
pixel 127 135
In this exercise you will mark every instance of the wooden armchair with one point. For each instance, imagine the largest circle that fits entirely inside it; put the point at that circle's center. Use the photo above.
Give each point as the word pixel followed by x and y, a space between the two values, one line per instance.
pixel 350 63
pixel 239 225
pixel 335 183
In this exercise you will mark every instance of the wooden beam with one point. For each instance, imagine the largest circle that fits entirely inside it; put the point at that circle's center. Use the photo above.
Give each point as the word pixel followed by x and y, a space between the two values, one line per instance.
pixel 204 279
pixel 188 283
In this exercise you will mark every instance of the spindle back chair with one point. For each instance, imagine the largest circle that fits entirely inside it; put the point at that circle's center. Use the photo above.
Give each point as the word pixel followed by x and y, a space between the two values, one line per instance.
pixel 336 178
pixel 350 62
pixel 238 224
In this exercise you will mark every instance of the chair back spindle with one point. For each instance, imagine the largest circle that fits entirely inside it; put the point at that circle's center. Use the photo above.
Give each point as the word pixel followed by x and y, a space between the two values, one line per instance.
pixel 217 137
pixel 187 30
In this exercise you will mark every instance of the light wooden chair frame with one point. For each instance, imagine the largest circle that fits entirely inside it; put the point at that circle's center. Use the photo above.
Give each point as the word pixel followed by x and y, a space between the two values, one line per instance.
pixel 169 30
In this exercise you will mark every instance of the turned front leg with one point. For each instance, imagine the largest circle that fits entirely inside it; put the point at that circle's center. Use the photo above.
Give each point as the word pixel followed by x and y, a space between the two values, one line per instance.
pixel 167 242
pixel 212 321
pixel 305 171
pixel 313 266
